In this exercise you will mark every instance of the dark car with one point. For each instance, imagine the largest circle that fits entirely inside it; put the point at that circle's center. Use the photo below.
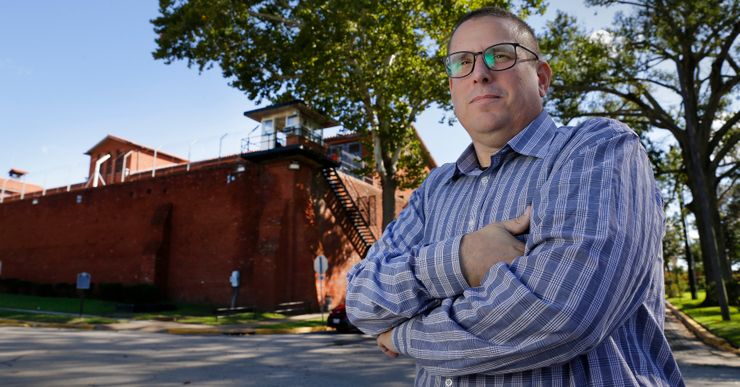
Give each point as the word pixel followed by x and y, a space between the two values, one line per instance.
pixel 338 320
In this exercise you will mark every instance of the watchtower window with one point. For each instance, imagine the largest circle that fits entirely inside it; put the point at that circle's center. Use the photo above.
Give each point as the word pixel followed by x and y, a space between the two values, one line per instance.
pixel 292 121
pixel 354 149
pixel 268 127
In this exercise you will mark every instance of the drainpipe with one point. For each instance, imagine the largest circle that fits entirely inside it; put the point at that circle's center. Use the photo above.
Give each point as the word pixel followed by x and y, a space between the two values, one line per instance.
pixel 124 169
pixel 97 170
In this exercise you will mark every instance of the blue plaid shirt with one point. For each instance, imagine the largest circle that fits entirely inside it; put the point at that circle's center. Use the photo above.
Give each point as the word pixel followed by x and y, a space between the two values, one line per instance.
pixel 582 306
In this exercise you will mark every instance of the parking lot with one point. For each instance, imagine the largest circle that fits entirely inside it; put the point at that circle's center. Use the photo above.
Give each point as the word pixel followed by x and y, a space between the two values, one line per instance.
pixel 61 357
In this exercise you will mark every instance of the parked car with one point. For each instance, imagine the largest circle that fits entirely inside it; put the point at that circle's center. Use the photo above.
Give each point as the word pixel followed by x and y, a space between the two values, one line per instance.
pixel 338 320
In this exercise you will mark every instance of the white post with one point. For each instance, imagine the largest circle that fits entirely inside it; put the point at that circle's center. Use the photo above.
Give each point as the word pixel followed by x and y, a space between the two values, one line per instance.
pixel 97 169
pixel 23 187
pixel 124 169
pixel 189 148
pixel 154 161
pixel 2 192
pixel 220 140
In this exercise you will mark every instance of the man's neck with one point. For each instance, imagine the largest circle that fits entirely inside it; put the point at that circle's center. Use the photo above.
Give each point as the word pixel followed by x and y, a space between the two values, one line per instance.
pixel 484 154
pixel 487 147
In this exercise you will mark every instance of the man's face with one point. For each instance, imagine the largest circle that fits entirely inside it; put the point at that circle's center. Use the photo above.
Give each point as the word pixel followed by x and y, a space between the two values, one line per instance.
pixel 488 102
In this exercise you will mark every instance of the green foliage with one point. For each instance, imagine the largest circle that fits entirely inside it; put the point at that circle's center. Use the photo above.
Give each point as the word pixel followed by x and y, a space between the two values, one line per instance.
pixel 730 213
pixel 670 65
pixel 372 65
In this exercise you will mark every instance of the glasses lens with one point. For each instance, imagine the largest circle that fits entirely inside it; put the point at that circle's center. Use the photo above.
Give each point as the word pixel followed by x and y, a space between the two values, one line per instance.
pixel 500 56
pixel 460 64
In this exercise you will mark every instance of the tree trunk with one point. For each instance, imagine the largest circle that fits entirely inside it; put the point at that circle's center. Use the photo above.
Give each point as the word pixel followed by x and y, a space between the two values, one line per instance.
pixel 731 286
pixel 687 248
pixel 389 184
pixel 701 190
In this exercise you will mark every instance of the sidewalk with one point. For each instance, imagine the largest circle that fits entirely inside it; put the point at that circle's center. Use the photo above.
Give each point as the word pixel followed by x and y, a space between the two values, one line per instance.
pixel 700 364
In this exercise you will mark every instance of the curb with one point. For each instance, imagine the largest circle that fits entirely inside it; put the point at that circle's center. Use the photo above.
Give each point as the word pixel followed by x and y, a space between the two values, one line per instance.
pixel 702 333
pixel 247 331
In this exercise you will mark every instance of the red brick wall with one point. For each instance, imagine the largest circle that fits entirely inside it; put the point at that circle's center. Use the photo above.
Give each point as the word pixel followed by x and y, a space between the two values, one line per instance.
pixel 186 232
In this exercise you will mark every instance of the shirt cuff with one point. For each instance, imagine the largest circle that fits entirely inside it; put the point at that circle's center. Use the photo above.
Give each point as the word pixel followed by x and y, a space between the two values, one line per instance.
pixel 438 268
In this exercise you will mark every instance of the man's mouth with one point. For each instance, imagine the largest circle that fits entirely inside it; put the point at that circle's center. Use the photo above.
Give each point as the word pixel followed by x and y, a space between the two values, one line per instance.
pixel 485 97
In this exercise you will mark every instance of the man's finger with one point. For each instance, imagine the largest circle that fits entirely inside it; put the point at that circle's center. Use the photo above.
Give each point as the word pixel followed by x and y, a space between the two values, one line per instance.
pixel 519 247
pixel 519 224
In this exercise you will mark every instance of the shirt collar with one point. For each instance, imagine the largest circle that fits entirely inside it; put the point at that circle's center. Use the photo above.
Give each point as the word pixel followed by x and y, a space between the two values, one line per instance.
pixel 534 140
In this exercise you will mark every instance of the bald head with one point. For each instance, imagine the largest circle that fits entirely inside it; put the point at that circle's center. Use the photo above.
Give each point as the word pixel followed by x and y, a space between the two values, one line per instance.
pixel 524 32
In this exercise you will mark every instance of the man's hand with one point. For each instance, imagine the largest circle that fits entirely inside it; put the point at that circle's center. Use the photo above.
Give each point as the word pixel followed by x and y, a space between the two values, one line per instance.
pixel 385 343
pixel 490 245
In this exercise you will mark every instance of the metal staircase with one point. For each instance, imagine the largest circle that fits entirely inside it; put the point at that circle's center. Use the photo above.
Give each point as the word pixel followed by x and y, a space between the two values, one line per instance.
pixel 348 213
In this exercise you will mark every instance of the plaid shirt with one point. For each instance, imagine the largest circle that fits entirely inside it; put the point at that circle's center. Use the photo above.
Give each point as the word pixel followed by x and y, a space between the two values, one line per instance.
pixel 582 306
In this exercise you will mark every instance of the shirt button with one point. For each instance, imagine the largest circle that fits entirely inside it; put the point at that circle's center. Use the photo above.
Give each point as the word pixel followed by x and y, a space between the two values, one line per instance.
pixel 471 223
pixel 484 180
pixel 448 382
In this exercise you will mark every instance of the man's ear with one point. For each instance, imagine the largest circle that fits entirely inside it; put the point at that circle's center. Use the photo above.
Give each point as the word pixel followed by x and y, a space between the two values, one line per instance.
pixel 544 76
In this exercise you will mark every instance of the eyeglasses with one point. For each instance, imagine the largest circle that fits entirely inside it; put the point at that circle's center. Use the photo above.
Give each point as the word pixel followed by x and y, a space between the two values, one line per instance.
pixel 498 57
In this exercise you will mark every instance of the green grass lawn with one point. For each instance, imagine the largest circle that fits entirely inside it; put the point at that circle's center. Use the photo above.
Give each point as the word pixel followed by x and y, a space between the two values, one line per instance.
pixel 710 317
pixel 56 304
pixel 106 310
pixel 55 318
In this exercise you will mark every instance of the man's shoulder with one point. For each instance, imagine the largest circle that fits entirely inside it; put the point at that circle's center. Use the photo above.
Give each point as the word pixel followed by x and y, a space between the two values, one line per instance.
pixel 600 128
pixel 442 173
pixel 437 178
pixel 593 132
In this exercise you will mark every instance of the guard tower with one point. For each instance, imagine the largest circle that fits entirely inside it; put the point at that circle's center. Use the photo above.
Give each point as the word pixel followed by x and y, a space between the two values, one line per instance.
pixel 293 131
pixel 288 123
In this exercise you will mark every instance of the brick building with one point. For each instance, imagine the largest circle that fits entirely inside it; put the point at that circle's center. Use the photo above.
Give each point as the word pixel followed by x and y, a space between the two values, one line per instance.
pixel 147 217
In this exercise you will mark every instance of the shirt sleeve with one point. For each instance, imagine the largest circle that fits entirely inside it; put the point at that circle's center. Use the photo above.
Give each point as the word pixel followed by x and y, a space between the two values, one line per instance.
pixel 400 277
pixel 594 244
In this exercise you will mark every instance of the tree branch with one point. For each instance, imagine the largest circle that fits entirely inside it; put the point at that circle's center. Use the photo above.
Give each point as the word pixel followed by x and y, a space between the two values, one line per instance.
pixel 721 196
pixel 722 131
pixel 669 171
pixel 660 118
pixel 275 18
pixel 733 64
pixel 662 84
pixel 639 5
pixel 730 144
pixel 728 173
pixel 719 88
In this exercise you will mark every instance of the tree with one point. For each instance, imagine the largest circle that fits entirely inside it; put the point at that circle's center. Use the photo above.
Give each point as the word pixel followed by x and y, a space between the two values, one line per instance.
pixel 670 65
pixel 373 65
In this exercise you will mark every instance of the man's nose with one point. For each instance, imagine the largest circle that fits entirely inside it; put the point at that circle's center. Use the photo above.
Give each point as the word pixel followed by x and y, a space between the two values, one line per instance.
pixel 481 73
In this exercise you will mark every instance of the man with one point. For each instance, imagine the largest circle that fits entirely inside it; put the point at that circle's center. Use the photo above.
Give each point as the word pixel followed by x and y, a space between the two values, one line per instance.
pixel 580 301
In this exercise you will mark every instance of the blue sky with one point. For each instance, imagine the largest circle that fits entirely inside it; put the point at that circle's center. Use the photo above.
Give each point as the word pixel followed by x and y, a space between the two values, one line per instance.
pixel 74 71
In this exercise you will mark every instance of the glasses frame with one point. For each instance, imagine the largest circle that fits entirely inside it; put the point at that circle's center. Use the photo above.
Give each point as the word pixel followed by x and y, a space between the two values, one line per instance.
pixel 516 60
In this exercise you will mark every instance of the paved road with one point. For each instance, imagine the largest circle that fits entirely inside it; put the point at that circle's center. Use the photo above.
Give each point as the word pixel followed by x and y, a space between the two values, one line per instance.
pixel 53 357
